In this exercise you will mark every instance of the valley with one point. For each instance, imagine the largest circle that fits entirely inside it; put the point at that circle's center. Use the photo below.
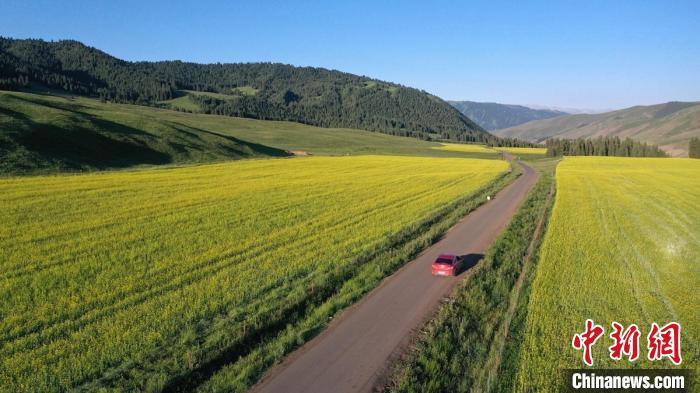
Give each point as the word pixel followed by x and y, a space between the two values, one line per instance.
pixel 296 197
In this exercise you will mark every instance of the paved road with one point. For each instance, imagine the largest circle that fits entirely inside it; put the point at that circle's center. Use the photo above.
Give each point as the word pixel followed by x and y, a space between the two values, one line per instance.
pixel 355 351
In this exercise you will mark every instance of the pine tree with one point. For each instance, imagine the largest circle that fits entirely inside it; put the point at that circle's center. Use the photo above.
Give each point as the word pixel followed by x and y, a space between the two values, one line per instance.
pixel 601 146
pixel 694 148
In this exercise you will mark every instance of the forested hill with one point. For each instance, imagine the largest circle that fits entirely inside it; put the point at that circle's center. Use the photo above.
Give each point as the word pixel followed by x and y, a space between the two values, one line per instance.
pixel 493 116
pixel 256 90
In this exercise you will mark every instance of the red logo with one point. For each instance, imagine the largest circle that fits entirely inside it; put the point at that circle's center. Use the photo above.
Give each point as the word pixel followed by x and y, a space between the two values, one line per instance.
pixel 586 340
pixel 626 342
pixel 663 342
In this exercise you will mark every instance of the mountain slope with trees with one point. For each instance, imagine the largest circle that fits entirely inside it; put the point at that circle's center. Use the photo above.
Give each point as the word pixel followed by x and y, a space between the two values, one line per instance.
pixel 265 91
pixel 45 134
pixel 50 132
pixel 493 116
pixel 670 125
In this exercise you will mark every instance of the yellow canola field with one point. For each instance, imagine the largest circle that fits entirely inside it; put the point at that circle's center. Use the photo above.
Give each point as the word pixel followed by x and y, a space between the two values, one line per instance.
pixel 524 151
pixel 137 274
pixel 473 148
pixel 465 148
pixel 623 244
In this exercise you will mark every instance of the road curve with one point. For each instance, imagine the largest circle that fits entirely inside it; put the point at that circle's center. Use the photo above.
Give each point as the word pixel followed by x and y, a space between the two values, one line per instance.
pixel 355 351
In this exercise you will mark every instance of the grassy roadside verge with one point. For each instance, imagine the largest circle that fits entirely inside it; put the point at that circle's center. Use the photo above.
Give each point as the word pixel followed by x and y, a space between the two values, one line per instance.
pixel 240 363
pixel 473 342
pixel 502 377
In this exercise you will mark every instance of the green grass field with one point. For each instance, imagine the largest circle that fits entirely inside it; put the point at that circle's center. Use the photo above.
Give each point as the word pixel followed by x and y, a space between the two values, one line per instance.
pixel 50 133
pixel 183 100
pixel 131 280
pixel 622 245
pixel 245 90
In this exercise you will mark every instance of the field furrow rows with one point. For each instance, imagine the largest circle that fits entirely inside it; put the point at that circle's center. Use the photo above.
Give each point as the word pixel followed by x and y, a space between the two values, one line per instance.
pixel 191 259
pixel 160 281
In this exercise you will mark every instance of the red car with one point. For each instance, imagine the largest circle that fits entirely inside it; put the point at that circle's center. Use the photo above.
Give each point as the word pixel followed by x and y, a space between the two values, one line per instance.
pixel 447 265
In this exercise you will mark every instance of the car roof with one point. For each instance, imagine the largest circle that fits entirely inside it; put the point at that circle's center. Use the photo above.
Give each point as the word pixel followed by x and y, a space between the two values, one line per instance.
pixel 448 256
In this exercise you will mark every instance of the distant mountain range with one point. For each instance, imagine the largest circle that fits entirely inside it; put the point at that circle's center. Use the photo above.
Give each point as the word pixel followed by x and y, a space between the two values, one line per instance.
pixel 669 125
pixel 266 91
pixel 568 110
pixel 493 116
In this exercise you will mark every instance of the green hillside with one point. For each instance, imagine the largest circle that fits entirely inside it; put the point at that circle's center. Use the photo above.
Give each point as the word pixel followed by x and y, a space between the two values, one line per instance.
pixel 49 133
pixel 46 133
pixel 493 116
pixel 669 125
pixel 267 91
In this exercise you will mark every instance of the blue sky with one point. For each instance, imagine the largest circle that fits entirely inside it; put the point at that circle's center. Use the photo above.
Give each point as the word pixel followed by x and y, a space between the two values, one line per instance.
pixel 581 54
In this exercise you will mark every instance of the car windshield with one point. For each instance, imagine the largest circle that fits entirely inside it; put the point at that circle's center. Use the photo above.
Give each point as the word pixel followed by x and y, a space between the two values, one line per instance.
pixel 444 260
